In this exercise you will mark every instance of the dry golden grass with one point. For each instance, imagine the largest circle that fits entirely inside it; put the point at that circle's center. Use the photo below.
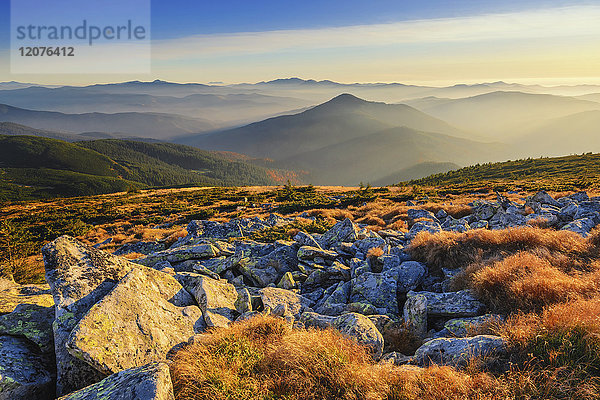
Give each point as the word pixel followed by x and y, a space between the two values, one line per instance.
pixel 527 282
pixel 459 250
pixel 263 358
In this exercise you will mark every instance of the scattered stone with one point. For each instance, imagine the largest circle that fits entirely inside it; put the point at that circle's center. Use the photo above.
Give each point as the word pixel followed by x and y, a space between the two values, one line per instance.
pixel 216 296
pixel 287 282
pixel 459 327
pixel 310 253
pixel 183 253
pixel 353 325
pixel 415 313
pixel 343 231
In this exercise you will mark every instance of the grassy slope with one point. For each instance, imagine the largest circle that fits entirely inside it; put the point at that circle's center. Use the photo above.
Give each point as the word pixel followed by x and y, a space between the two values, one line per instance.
pixel 36 167
pixel 558 173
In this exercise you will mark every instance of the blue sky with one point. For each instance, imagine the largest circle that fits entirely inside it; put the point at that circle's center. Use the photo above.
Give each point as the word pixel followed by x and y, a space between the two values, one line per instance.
pixel 175 22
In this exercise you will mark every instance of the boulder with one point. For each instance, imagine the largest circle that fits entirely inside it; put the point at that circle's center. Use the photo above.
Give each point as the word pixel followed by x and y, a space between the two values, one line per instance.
pixel 359 327
pixel 149 382
pixel 134 324
pixel 424 226
pixel 458 351
pixel 409 275
pixel 378 289
pixel 296 304
pixel 183 253
pixel 287 282
pixel 451 304
pixel 580 226
pixel 353 325
pixel 33 322
pixel 306 239
pixel 544 198
pixel 79 276
pixel 343 231
pixel 415 313
pixel 24 372
pixel 310 253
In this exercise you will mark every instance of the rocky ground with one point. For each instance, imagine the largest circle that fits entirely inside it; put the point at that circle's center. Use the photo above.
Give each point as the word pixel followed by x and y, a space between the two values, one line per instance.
pixel 105 327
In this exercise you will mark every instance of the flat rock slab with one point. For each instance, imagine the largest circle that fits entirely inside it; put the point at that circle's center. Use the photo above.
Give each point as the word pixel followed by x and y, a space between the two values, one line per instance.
pixel 183 253
pixel 457 352
pixel 24 372
pixel 149 382
pixel 131 326
pixel 31 321
pixel 451 304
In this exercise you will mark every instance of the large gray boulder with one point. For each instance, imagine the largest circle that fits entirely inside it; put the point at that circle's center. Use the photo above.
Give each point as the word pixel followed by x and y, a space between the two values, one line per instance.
pixel 580 226
pixel 149 382
pixel 79 276
pixel 457 352
pixel 134 324
pixel 24 372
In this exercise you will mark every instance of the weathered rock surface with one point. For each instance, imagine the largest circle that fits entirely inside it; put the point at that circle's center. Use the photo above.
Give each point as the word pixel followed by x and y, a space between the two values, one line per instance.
pixel 184 253
pixel 353 325
pixel 31 321
pixel 380 290
pixel 79 277
pixel 296 304
pixel 24 372
pixel 451 304
pixel 457 352
pixel 344 231
pixel 132 325
pixel 149 382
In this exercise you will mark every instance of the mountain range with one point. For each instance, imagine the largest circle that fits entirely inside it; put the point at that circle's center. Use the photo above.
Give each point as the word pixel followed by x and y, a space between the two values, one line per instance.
pixel 326 132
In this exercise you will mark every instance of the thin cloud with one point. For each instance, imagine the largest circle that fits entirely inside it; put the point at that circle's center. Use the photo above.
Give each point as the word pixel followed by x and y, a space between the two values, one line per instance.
pixel 551 23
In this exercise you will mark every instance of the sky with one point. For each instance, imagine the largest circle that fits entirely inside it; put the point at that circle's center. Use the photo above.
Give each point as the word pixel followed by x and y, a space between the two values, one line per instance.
pixel 423 42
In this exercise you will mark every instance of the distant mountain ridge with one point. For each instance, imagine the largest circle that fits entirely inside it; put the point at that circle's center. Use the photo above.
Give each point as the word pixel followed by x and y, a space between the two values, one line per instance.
pixel 347 140
pixel 149 125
